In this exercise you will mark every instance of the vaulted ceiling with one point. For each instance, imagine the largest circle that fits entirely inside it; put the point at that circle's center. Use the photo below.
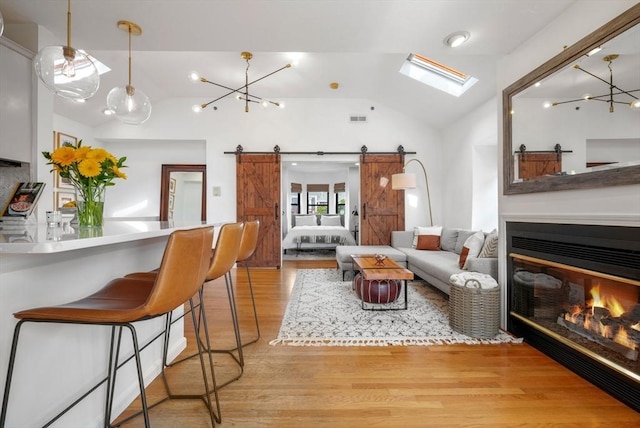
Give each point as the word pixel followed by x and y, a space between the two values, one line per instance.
pixel 359 44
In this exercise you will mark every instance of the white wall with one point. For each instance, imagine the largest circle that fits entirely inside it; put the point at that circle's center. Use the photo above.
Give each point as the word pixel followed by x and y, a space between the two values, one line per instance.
pixel 612 202
pixel 139 194
pixel 304 125
pixel 470 175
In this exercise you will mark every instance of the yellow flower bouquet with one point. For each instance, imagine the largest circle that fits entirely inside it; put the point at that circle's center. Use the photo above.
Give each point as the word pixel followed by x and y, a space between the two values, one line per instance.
pixel 91 171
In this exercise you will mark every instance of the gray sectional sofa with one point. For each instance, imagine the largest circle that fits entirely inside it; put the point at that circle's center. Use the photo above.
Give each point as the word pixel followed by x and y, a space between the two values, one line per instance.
pixel 436 267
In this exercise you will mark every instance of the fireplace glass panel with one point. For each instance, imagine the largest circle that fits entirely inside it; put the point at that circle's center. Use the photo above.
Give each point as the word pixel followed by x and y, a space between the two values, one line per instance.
pixel 597 314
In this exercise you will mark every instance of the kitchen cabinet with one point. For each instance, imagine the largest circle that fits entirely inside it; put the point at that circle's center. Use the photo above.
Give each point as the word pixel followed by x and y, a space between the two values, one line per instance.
pixel 16 83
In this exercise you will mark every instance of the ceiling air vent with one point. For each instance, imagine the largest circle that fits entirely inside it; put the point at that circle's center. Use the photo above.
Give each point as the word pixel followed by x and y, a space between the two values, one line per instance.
pixel 357 119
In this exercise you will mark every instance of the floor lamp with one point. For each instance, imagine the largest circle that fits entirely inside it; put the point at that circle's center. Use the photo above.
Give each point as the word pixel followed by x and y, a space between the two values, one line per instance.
pixel 407 180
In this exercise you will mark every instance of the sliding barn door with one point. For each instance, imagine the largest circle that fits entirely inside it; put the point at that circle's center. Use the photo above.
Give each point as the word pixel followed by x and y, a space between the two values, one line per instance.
pixel 382 209
pixel 532 165
pixel 258 198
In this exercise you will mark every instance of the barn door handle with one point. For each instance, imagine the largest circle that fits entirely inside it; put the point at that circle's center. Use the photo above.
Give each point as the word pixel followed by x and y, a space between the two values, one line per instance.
pixel 364 211
pixel 276 207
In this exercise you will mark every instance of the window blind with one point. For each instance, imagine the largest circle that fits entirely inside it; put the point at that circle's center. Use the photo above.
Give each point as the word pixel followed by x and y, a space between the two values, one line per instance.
pixel 317 187
pixel 338 187
pixel 296 188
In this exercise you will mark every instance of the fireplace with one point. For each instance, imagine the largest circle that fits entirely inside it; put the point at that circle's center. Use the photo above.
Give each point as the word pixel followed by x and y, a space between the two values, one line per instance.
pixel 573 291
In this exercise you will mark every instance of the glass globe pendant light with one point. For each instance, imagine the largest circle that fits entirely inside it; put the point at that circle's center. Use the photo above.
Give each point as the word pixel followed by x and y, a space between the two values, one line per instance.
pixel 129 105
pixel 66 71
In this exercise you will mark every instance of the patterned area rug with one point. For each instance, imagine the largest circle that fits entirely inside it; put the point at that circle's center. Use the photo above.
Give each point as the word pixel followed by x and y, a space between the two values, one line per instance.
pixel 324 311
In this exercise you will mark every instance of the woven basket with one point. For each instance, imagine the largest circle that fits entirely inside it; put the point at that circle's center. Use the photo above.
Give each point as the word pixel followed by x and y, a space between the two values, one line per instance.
pixel 474 311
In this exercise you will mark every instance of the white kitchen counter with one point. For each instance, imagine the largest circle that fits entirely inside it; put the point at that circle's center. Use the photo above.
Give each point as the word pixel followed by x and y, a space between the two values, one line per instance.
pixel 56 363
pixel 39 239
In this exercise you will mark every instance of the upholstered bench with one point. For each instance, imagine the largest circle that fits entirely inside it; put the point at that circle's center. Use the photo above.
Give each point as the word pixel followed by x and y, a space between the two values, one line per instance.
pixel 344 253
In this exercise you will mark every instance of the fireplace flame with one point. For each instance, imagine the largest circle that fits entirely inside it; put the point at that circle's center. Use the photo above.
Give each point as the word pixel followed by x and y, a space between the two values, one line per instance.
pixel 608 302
pixel 604 316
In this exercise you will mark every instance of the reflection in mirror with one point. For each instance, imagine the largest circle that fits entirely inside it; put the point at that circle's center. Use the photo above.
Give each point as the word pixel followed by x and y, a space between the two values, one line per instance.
pixel 183 193
pixel 574 122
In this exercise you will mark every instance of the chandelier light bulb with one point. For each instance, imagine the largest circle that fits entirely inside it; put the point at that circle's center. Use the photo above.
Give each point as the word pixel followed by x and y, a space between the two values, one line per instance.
pixel 281 104
pixel 196 108
pixel 587 97
pixel 265 104
pixel 547 104
pixel 194 76
pixel 635 104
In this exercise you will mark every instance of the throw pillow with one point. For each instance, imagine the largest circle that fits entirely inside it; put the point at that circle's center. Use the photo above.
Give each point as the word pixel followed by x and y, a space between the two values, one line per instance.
pixel 330 220
pixel 463 235
pixel 306 220
pixel 490 248
pixel 448 239
pixel 431 237
pixel 471 248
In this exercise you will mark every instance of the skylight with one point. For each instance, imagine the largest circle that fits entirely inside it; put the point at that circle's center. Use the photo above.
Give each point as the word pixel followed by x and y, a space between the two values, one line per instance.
pixel 437 75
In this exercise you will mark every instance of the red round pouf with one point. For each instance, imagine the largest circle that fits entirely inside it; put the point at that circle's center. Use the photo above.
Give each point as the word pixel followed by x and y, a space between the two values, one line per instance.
pixel 376 291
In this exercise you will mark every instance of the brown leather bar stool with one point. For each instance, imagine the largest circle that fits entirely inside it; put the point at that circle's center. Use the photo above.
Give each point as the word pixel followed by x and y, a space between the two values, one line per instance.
pixel 223 257
pixel 124 301
pixel 247 249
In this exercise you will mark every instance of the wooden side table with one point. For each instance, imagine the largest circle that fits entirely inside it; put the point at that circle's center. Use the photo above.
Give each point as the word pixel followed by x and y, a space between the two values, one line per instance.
pixel 380 274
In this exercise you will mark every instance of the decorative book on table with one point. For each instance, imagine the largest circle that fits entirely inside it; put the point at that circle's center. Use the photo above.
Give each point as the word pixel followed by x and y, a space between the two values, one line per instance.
pixel 22 202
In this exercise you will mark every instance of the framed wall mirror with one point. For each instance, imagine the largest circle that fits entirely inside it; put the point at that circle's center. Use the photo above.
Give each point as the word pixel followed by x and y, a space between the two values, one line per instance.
pixel 183 193
pixel 581 109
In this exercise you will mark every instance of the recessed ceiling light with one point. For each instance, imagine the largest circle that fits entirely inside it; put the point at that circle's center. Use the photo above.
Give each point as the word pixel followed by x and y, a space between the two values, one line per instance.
pixel 456 39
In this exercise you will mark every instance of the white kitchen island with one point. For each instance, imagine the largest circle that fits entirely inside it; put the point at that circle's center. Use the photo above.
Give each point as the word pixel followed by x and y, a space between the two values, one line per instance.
pixel 56 363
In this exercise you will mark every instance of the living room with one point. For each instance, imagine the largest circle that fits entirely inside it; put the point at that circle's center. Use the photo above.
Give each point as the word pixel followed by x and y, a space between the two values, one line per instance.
pixel 463 157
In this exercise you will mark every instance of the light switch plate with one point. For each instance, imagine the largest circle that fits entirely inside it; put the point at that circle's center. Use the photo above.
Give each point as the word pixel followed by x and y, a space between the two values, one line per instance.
pixel 217 191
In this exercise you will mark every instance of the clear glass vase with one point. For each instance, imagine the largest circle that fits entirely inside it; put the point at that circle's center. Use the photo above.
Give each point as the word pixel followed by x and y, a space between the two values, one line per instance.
pixel 90 206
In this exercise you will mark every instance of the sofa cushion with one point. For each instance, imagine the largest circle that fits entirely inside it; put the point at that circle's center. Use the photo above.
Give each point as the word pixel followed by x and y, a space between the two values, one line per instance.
pixel 448 239
pixel 463 235
pixel 439 264
pixel 427 237
pixel 490 247
pixel 471 248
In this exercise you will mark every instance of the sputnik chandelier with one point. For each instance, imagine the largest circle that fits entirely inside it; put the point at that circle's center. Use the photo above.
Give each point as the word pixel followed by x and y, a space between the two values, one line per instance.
pixel 631 100
pixel 243 91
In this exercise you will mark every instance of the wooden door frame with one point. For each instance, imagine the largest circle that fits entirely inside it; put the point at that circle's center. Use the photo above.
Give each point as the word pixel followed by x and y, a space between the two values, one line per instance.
pixel 167 169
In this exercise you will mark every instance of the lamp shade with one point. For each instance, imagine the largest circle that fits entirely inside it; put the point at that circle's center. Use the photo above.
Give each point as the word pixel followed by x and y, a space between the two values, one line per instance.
pixel 68 72
pixel 129 105
pixel 406 180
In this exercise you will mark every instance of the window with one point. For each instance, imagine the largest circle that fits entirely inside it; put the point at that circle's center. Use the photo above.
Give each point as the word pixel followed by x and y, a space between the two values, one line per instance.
pixel 317 198
pixel 294 202
pixel 317 202
pixel 341 199
pixel 437 75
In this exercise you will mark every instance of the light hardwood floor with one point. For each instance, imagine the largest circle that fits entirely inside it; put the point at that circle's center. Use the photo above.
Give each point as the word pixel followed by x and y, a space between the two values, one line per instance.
pixel 436 386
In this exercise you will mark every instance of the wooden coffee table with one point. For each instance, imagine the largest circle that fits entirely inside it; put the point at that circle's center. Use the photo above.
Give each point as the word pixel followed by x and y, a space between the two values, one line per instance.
pixel 380 270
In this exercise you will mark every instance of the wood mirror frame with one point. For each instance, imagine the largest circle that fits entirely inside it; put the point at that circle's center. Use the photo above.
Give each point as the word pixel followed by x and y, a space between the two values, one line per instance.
pixel 164 188
pixel 604 178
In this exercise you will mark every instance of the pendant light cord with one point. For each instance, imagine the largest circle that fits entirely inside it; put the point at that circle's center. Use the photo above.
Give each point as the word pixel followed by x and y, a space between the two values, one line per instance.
pixel 246 88
pixel 129 56
pixel 69 23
